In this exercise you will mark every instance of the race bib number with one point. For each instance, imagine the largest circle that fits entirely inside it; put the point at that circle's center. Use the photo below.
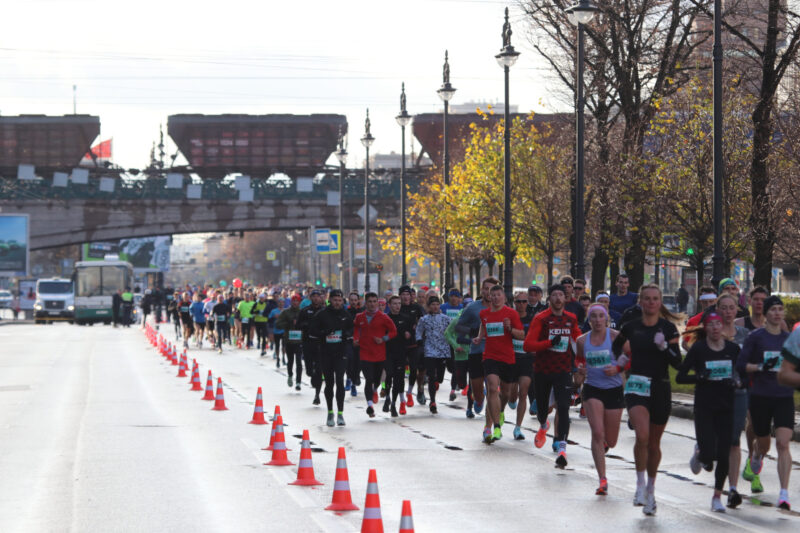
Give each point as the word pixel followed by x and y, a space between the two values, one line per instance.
pixel 720 369
pixel 184 309
pixel 453 313
pixel 598 359
pixel 245 320
pixel 221 318
pixel 495 329
pixel 768 356
pixel 562 345
pixel 638 385
pixel 518 345
pixel 295 335
pixel 334 338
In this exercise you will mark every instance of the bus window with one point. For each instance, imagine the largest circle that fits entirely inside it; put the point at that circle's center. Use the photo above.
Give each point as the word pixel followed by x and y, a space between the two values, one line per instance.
pixel 113 279
pixel 88 282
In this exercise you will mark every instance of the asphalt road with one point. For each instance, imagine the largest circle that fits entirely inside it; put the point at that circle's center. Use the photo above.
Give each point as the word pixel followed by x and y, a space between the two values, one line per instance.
pixel 99 435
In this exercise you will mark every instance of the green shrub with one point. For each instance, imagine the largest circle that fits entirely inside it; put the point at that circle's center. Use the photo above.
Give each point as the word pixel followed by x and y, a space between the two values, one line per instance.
pixel 792 307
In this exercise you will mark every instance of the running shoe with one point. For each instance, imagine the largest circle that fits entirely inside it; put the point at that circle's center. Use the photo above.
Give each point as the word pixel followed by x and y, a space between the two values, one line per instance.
pixel 561 460
pixel 421 398
pixel 339 420
pixel 353 391
pixel 263 353
pixel 410 399
pixel 734 499
pixel 487 435
pixel 512 405
pixel 582 412
pixel 640 497
pixel 694 462
pixel 602 490
pixel 532 409
pixel 289 381
pixel 747 473
pixel 555 445
pixel 497 434
pixel 383 391
pixel 402 408
pixel 297 385
pixel 716 505
pixel 784 505
pixel 502 418
pixel 347 384
pixel 219 350
pixel 387 404
pixel 630 424
pixel 756 464
pixel 518 433
pixel 316 400
pixel 478 408
pixel 470 414
pixel 541 436
pixel 330 420
pixel 370 411
pixel 755 485
pixel 452 395
pixel 650 504
pixel 375 397
pixel 433 408
pixel 394 411
pixel 465 391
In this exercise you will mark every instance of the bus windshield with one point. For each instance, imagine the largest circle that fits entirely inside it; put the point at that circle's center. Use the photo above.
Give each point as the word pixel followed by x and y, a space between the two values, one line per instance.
pixel 100 280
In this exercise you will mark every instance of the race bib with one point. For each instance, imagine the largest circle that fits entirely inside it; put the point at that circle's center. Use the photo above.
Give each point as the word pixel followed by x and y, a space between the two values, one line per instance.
pixel 720 369
pixel 495 329
pixel 184 309
pixel 774 355
pixel 295 335
pixel 334 338
pixel 638 385
pixel 562 345
pixel 518 345
pixel 598 359
pixel 221 318
pixel 245 320
pixel 453 313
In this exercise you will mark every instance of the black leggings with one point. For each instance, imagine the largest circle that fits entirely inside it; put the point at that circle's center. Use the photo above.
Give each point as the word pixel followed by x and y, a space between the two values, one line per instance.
pixel 277 344
pixel 311 356
pixel 372 377
pixel 333 368
pixel 714 429
pixel 396 375
pixel 261 335
pixel 293 354
pixel 246 333
pixel 434 368
pixel 561 384
pixel 221 327
pixel 353 365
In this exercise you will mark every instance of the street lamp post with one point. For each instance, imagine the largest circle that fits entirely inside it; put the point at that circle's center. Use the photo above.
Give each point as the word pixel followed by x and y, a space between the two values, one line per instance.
pixel 506 59
pixel 403 119
pixel 580 14
pixel 367 141
pixel 341 155
pixel 446 93
pixel 719 168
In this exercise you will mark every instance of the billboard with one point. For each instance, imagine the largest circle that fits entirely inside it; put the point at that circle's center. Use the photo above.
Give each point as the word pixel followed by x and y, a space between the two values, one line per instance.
pixel 14 239
pixel 144 253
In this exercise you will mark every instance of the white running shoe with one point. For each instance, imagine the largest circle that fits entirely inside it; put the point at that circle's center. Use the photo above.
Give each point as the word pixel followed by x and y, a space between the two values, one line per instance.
pixel 716 505
pixel 650 505
pixel 640 498
pixel 694 462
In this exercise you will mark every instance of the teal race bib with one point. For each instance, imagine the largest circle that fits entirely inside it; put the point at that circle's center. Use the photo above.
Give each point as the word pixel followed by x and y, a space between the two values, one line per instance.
pixel 638 385
pixel 598 359
pixel 334 338
pixel 495 329
pixel 295 335
pixel 720 369
pixel 453 313
pixel 245 320
pixel 518 345
pixel 561 347
pixel 221 318
pixel 774 355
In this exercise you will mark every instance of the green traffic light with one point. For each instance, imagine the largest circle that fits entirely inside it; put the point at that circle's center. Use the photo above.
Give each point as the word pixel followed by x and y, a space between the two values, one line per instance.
pixel 690 251
pixel 319 282
pixel 433 283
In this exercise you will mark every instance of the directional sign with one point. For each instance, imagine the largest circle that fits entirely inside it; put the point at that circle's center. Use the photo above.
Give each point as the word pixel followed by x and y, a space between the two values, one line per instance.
pixel 334 242
pixel 270 255
pixel 327 241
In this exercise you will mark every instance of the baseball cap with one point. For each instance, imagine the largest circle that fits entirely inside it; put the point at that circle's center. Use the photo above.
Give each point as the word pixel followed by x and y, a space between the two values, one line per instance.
pixel 454 292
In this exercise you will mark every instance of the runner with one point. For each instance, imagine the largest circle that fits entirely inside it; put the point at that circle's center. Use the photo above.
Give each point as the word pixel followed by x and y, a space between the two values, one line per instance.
pixel 551 337
pixel 414 354
pixel 430 332
pixel 185 310
pixel 371 330
pixel 220 314
pixel 624 298
pixel 208 311
pixel 452 309
pixel 274 332
pixel 311 342
pixel 756 319
pixel 601 374
pixel 535 305
pixel 460 345
pixel 652 341
pixel 519 391
pixel 469 323
pixel 789 374
pixel 287 322
pixel 173 315
pixel 199 317
pixel 260 317
pixel 354 307
pixel 770 403
pixel 728 286
pixel 332 325
pixel 571 302
pixel 396 350
pixel 712 359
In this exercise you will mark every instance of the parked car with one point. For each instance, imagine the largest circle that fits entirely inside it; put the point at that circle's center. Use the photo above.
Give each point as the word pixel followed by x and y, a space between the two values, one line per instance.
pixel 5 299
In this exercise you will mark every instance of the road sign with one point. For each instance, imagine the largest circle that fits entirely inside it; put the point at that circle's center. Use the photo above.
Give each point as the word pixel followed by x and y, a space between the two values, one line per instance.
pixel 413 272
pixel 334 242
pixel 539 278
pixel 328 241
pixel 270 255
pixel 556 272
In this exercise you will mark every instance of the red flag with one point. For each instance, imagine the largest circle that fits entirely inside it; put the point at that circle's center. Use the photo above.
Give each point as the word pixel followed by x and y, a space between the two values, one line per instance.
pixel 101 151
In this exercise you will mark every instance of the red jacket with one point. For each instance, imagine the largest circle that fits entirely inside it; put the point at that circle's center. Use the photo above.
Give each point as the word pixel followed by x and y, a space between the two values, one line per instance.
pixel 364 332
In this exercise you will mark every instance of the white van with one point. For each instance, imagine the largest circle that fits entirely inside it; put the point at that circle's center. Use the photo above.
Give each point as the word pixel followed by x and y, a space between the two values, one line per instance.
pixel 55 300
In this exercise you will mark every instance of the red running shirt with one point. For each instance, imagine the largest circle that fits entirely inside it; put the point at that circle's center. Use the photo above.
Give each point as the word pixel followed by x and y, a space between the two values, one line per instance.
pixel 551 359
pixel 498 339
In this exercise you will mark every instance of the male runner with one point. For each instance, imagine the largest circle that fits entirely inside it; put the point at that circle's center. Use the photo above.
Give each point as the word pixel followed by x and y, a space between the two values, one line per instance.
pixel 332 325
pixel 371 330
pixel 311 342
pixel 293 337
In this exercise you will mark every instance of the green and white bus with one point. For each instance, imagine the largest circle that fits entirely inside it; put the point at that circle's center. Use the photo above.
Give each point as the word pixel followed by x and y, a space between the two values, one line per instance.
pixel 96 282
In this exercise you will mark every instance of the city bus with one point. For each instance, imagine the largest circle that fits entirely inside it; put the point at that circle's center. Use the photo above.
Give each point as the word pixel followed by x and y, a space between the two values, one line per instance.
pixel 95 284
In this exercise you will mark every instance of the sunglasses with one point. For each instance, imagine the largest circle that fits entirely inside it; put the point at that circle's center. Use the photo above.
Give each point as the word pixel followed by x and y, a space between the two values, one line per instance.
pixel 520 301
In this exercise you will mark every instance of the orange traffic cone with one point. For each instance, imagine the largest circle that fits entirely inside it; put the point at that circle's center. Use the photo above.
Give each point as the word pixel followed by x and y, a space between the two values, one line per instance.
pixel 277 412
pixel 372 522
pixel 406 520
pixel 209 388
pixel 182 367
pixel 279 457
pixel 258 412
pixel 219 401
pixel 341 487
pixel 272 431
pixel 196 376
pixel 305 470
pixel 174 356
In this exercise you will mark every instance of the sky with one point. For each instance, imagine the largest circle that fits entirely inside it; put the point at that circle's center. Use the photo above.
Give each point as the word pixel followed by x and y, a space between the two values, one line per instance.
pixel 136 63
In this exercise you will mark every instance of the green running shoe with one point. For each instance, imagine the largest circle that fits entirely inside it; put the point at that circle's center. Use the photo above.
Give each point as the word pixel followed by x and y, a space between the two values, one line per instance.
pixel 747 473
pixel 755 485
pixel 497 435
pixel 502 418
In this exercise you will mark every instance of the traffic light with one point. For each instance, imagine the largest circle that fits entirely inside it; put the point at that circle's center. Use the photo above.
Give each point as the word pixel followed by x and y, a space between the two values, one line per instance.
pixel 324 285
pixel 319 282
pixel 433 283
pixel 690 251
pixel 379 267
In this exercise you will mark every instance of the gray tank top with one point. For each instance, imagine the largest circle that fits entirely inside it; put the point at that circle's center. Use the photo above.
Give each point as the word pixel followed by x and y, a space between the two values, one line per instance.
pixel 597 358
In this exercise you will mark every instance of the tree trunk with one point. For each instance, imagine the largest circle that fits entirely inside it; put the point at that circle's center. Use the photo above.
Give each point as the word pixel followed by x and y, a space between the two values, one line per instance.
pixel 490 265
pixel 634 261
pixel 763 230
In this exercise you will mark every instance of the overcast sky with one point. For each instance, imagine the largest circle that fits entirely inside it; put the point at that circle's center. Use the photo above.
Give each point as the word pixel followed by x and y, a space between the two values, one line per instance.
pixel 136 63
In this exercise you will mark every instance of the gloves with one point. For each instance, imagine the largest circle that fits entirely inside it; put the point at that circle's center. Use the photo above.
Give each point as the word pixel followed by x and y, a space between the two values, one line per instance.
pixel 702 375
pixel 769 364
pixel 555 341
pixel 660 341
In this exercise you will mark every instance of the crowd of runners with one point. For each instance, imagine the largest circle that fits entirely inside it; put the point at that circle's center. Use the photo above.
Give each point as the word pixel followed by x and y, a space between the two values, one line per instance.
pixel 536 355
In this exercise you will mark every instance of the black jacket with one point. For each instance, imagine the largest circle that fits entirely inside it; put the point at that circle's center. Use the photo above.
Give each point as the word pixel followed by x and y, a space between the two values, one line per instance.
pixel 325 325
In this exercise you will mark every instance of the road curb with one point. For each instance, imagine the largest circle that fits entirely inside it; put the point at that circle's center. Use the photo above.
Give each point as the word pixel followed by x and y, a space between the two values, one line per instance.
pixel 9 322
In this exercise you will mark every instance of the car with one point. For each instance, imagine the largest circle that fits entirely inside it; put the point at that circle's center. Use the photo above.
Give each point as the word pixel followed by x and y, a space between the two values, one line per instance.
pixel 13 245
pixel 5 299
pixel 669 302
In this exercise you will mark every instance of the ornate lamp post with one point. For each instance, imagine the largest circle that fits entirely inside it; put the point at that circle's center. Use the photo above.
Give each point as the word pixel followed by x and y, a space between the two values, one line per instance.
pixel 367 141
pixel 446 93
pixel 403 120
